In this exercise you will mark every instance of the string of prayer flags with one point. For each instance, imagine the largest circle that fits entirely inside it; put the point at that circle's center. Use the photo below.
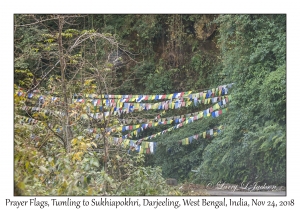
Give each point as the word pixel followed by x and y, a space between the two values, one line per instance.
pixel 212 111
pixel 28 120
pixel 187 121
pixel 119 107
pixel 206 134
pixel 137 130
pixel 219 91
pixel 150 147
pixel 32 121
pixel 217 96
pixel 140 147
pixel 165 105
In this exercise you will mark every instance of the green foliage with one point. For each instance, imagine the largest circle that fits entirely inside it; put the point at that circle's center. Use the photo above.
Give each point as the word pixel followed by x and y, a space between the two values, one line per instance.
pixel 139 180
pixel 265 160
pixel 178 160
pixel 274 93
pixel 203 71
pixel 77 173
pixel 23 78
pixel 64 163
pixel 159 83
pixel 253 56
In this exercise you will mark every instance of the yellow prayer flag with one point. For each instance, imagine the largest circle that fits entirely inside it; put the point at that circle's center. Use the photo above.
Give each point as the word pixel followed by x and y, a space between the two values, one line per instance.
pixel 201 114
pixel 147 144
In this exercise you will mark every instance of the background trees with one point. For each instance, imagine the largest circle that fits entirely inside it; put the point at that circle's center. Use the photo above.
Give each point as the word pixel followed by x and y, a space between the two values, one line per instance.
pixel 253 55
pixel 63 55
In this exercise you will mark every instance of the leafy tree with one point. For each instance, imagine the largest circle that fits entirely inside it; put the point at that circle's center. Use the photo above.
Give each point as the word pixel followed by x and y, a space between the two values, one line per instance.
pixel 62 158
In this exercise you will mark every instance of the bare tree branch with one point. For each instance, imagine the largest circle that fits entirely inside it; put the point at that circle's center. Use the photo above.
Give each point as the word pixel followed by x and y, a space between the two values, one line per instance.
pixel 55 133
pixel 41 21
pixel 42 78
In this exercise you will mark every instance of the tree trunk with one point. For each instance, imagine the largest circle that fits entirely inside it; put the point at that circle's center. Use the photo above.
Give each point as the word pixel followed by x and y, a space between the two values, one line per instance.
pixel 67 132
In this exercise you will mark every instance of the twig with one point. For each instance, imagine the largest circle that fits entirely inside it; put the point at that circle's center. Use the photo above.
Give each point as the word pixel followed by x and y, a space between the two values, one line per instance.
pixel 42 78
pixel 40 21
pixel 56 135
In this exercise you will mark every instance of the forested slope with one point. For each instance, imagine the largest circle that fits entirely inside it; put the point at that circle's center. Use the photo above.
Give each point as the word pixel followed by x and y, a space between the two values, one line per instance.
pixel 81 79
